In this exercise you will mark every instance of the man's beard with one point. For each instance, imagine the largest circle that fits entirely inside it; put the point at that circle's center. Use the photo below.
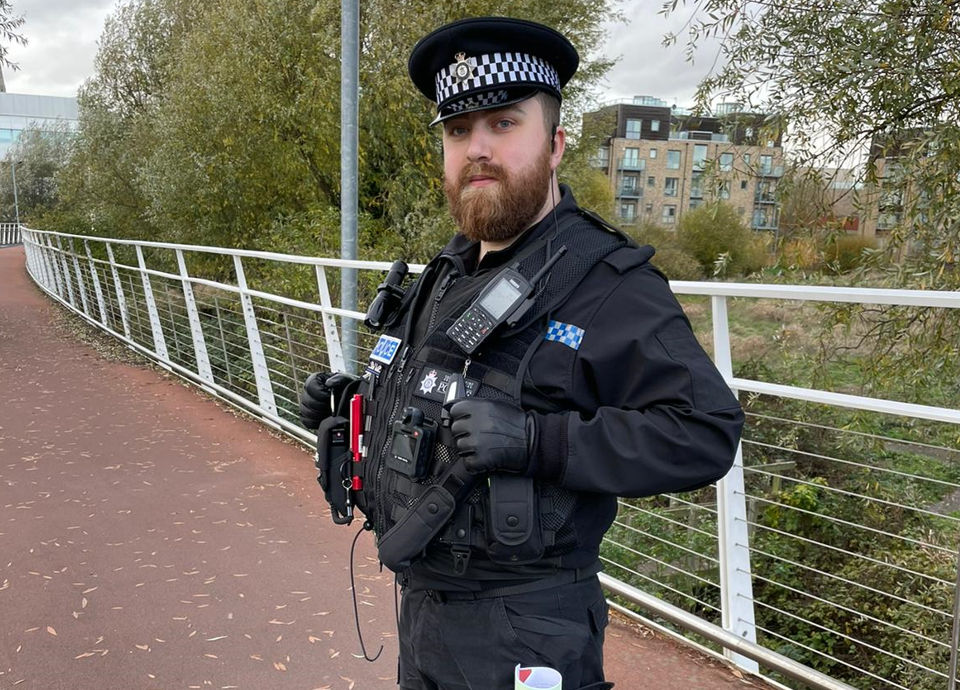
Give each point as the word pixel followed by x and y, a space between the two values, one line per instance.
pixel 499 211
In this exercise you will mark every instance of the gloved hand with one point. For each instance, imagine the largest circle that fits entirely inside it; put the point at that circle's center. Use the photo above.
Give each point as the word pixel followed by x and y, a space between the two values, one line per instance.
pixel 316 398
pixel 492 435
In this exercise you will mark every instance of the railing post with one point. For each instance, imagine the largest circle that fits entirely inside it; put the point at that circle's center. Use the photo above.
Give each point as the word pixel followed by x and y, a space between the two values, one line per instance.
pixel 334 349
pixel 121 300
pixel 196 329
pixel 96 285
pixel 65 267
pixel 80 284
pixel 261 372
pixel 736 582
pixel 159 343
pixel 54 263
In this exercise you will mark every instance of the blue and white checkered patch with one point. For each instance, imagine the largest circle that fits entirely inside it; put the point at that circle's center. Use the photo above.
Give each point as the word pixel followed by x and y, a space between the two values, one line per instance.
pixel 565 333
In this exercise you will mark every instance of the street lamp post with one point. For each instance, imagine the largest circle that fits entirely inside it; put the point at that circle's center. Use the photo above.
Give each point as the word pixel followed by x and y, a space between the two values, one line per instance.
pixel 16 202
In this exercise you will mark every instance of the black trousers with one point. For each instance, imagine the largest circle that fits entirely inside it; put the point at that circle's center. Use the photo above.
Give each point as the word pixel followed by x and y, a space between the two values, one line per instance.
pixel 448 642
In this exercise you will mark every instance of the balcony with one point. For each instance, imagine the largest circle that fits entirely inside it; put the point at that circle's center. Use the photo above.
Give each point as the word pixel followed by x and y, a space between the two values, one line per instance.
pixel 632 164
pixel 630 193
pixel 765 198
pixel 770 171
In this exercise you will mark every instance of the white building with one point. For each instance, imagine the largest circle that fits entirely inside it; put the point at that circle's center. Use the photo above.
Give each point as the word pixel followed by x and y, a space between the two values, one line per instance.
pixel 18 111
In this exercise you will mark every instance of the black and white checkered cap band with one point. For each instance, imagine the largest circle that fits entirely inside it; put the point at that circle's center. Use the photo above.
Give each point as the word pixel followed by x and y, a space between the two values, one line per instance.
pixel 492 70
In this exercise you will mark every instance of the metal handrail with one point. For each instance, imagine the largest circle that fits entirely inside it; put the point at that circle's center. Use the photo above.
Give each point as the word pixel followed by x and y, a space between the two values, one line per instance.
pixel 10 234
pixel 251 348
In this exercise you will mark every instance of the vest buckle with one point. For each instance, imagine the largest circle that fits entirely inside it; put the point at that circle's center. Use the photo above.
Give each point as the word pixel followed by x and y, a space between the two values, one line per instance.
pixel 461 557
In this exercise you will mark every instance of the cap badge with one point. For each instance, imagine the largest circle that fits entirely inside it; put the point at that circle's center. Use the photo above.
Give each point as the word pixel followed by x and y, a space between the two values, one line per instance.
pixel 463 70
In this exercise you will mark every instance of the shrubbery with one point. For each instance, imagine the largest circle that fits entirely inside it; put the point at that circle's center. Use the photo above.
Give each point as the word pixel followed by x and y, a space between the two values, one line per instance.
pixel 723 246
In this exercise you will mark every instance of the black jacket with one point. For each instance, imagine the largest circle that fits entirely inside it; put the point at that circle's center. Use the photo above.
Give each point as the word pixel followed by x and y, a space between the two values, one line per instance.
pixel 626 402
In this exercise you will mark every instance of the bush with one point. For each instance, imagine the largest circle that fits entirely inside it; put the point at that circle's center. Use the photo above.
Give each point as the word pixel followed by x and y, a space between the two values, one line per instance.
pixel 718 240
pixel 676 263
pixel 846 252
pixel 801 253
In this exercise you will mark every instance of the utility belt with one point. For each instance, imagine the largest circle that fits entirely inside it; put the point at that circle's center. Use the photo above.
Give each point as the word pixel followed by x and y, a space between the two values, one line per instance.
pixel 564 577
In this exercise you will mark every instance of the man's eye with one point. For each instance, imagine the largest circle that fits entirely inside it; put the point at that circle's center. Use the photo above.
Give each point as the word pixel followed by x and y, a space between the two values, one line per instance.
pixel 458 131
pixel 504 124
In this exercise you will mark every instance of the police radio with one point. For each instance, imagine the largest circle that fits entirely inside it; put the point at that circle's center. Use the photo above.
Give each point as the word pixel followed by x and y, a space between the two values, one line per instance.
pixel 503 301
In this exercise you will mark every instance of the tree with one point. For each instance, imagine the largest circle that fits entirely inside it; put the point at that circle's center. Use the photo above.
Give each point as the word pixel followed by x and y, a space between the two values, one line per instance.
pixel 38 156
pixel 219 122
pixel 9 32
pixel 859 80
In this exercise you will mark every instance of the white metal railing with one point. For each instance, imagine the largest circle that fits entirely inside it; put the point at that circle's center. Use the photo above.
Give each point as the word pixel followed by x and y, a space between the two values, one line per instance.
pixel 9 234
pixel 782 561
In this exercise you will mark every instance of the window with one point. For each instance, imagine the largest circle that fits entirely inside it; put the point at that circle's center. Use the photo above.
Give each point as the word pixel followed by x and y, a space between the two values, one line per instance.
pixel 603 157
pixel 669 215
pixel 695 203
pixel 631 157
pixel 699 155
pixel 653 153
pixel 633 129
pixel 673 160
pixel 627 211
pixel 651 182
pixel 654 125
pixel 766 164
pixel 723 189
pixel 743 184
pixel 749 132
pixel 648 208
pixel 696 185
pixel 670 186
pixel 726 162
pixel 746 159
pixel 629 182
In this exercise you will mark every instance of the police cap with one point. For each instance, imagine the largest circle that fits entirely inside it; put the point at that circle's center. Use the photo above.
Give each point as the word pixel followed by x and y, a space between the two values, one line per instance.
pixel 490 62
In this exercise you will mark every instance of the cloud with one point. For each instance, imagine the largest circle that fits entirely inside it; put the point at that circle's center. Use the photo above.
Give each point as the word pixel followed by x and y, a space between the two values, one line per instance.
pixel 647 68
pixel 62 43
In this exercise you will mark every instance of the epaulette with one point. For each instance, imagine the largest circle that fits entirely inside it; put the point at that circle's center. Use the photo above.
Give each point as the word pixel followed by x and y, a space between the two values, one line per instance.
pixel 606 225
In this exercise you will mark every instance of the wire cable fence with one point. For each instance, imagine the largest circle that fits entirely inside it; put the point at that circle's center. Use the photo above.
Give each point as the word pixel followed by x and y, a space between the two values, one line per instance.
pixel 828 554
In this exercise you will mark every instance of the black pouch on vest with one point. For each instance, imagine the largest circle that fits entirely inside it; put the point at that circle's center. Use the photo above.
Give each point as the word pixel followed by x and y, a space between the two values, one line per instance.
pixel 514 521
pixel 333 466
pixel 405 541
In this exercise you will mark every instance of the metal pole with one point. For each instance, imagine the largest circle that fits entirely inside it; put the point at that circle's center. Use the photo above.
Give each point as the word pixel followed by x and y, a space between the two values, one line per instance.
pixel 349 116
pixel 955 634
pixel 16 202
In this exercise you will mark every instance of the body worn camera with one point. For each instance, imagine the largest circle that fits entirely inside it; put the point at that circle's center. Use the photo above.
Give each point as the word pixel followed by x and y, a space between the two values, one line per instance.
pixel 412 444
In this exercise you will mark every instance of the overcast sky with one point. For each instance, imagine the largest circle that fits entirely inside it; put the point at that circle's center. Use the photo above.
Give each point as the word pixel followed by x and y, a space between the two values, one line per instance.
pixel 62 42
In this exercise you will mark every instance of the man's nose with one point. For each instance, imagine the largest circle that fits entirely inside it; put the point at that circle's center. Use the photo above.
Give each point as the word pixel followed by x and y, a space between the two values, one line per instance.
pixel 478 149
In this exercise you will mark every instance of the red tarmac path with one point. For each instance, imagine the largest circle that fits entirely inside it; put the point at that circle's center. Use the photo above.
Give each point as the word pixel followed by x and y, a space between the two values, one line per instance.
pixel 151 539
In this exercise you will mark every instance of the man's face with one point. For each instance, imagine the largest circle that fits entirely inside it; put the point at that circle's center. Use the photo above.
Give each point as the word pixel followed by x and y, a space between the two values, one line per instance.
pixel 497 167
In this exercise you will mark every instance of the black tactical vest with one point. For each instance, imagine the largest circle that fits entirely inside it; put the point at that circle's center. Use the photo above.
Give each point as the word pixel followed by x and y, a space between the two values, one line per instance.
pixel 506 518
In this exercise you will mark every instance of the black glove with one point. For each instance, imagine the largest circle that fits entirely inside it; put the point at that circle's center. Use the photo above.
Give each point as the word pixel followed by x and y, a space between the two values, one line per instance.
pixel 492 435
pixel 316 398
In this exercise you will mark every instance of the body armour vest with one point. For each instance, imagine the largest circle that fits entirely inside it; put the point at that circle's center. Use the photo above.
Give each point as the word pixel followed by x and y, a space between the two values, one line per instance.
pixel 505 518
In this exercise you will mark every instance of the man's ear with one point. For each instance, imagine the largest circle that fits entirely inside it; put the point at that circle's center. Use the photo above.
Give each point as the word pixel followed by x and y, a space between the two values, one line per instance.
pixel 558 144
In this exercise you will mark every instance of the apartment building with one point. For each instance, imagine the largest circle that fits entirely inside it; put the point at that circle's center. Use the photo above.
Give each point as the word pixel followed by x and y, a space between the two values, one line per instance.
pixel 663 161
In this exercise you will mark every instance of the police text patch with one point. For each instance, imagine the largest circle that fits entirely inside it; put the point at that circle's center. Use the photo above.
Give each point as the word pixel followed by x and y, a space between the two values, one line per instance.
pixel 433 384
pixel 386 349
pixel 565 334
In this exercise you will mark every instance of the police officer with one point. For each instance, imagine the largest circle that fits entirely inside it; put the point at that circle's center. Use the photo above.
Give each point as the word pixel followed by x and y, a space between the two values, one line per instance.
pixel 539 368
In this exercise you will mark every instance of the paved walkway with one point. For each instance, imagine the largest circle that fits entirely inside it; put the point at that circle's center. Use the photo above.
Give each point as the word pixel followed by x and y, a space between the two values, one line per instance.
pixel 151 539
